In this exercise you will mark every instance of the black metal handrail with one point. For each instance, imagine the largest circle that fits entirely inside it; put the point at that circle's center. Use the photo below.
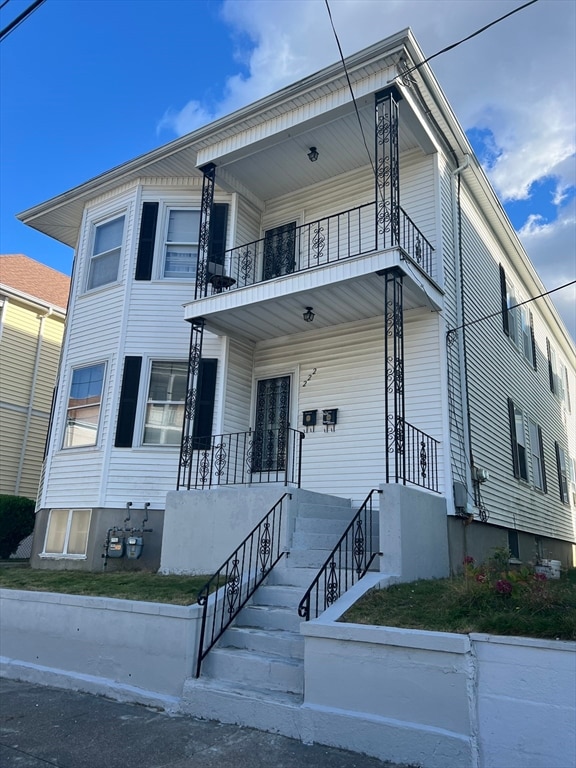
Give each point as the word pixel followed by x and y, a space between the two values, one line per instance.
pixel 242 458
pixel 234 583
pixel 347 563
pixel 331 239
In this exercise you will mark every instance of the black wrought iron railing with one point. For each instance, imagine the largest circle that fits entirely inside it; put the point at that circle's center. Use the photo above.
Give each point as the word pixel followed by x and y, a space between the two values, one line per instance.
pixel 412 457
pixel 234 583
pixel 350 559
pixel 294 249
pixel 415 244
pixel 243 458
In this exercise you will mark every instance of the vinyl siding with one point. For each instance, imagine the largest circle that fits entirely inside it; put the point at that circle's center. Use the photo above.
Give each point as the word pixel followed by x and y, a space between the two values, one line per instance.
pixel 498 370
pixel 349 363
pixel 237 396
pixel 29 352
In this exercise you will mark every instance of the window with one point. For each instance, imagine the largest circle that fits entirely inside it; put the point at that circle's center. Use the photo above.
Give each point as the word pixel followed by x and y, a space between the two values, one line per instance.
pixel 513 544
pixel 67 532
pixel 537 451
pixel 105 258
pixel 83 410
pixel 165 403
pixel 181 245
pixel 518 441
pixel 517 322
pixel 562 473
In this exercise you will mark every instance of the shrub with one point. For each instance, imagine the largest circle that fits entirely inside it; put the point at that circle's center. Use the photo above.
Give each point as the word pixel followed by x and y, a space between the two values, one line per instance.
pixel 16 522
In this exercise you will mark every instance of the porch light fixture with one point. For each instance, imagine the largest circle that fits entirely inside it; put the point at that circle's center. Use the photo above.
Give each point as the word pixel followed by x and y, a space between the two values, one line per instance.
pixel 308 315
pixel 313 154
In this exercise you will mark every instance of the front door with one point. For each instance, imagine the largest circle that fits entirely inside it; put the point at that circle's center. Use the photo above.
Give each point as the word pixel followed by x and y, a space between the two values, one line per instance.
pixel 269 447
pixel 279 251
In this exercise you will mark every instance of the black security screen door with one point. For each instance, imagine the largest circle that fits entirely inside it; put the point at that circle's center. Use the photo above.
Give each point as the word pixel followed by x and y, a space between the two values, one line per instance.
pixel 279 251
pixel 269 449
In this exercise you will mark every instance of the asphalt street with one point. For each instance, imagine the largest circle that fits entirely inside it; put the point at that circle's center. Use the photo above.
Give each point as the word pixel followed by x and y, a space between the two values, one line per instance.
pixel 41 726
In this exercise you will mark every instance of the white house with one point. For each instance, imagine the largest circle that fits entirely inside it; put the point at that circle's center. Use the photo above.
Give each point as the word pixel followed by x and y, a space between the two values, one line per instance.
pixel 322 287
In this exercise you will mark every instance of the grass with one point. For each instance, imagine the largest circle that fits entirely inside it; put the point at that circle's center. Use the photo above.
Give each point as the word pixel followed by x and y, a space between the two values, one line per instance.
pixel 125 585
pixel 532 608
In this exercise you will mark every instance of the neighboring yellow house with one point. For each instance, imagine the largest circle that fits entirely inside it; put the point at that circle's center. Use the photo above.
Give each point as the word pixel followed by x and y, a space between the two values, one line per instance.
pixel 33 300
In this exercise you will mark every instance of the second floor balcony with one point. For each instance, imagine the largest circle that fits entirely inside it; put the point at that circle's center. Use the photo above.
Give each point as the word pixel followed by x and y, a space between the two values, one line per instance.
pixel 290 248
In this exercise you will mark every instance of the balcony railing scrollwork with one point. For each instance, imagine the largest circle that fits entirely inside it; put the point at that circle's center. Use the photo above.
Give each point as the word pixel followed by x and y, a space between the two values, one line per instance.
pixel 344 235
pixel 245 458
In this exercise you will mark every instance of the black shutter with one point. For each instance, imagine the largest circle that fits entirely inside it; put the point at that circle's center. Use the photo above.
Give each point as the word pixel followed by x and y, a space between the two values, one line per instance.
pixel 550 368
pixel 202 431
pixel 513 440
pixel 128 402
pixel 542 465
pixel 146 242
pixel 504 302
pixel 217 238
pixel 533 341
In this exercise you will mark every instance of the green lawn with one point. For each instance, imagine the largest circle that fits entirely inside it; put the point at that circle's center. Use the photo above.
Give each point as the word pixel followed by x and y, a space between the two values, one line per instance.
pixel 126 585
pixel 530 608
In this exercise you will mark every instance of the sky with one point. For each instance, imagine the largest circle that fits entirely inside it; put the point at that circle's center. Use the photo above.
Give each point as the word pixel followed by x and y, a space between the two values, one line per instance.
pixel 86 85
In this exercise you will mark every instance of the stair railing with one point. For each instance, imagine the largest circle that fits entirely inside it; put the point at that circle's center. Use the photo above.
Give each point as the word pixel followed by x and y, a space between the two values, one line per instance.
pixel 234 583
pixel 347 563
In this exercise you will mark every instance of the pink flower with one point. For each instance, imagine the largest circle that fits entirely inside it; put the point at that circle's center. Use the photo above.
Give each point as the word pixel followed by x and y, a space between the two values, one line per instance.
pixel 503 586
pixel 468 560
pixel 481 577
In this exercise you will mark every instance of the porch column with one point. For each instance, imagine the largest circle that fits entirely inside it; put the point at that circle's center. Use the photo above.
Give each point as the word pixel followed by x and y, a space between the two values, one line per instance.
pixel 387 169
pixel 206 203
pixel 190 403
pixel 394 381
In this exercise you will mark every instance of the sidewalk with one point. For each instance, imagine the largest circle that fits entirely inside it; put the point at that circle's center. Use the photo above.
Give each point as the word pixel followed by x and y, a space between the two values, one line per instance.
pixel 42 727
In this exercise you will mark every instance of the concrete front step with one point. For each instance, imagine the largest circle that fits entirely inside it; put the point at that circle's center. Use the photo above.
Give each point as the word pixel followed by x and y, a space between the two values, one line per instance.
pixel 247 668
pixel 284 575
pixel 273 641
pixel 282 596
pixel 330 511
pixel 309 558
pixel 243 705
pixel 302 540
pixel 269 617
pixel 320 525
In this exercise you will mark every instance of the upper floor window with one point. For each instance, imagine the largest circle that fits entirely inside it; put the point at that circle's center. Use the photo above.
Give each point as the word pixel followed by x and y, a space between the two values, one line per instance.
pixel 558 376
pixel 165 403
pixel 83 411
pixel 181 243
pixel 105 257
pixel 517 321
pixel 562 466
pixel 518 441
pixel 537 451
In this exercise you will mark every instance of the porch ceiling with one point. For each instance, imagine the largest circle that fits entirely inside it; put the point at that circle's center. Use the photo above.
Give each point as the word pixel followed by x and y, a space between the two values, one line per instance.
pixel 272 310
pixel 279 165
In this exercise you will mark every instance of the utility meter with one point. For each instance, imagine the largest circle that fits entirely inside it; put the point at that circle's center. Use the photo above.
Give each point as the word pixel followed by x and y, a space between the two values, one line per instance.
pixel 115 546
pixel 134 547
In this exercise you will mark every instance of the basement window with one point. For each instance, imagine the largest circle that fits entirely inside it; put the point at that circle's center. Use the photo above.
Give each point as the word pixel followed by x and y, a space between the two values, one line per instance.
pixel 67 532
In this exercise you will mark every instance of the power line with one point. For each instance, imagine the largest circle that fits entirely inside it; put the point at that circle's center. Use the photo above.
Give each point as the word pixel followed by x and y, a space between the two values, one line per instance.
pixel 4 3
pixel 19 19
pixel 469 37
pixel 501 311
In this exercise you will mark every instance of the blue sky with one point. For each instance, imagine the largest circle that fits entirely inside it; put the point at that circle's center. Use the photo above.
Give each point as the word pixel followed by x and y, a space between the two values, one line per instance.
pixel 89 84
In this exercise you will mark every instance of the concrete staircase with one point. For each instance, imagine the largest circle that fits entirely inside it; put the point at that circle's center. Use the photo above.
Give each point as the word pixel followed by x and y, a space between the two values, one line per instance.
pixel 254 675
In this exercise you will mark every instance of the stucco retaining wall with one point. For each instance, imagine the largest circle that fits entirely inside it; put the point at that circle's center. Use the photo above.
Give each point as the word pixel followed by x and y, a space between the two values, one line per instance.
pixel 427 698
pixel 133 651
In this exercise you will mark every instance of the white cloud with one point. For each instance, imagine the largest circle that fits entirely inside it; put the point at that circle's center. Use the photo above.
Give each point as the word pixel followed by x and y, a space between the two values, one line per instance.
pixel 552 249
pixel 517 79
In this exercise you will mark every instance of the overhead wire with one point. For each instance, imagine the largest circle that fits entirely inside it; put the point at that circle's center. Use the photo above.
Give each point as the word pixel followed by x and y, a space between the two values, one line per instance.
pixel 19 19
